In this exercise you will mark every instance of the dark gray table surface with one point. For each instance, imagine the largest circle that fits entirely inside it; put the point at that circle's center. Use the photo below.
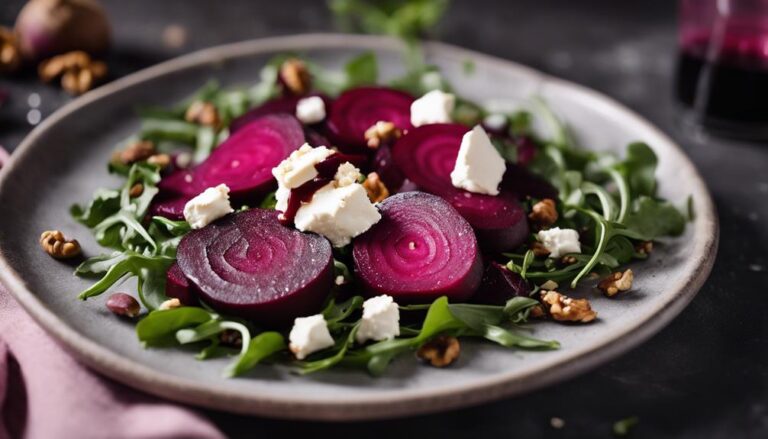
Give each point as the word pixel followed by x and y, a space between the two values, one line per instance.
pixel 704 375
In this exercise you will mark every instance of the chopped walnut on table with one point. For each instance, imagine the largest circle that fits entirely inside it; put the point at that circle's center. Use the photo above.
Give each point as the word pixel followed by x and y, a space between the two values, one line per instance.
pixel 78 72
pixel 616 282
pixel 441 351
pixel 544 213
pixel 381 132
pixel 377 190
pixel 10 56
pixel 295 76
pixel 565 309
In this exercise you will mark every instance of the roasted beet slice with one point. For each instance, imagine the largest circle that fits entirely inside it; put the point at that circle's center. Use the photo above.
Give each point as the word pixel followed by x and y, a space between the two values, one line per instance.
pixel 385 166
pixel 427 156
pixel 499 285
pixel 356 110
pixel 249 265
pixel 525 183
pixel 177 285
pixel 420 250
pixel 243 162
pixel 281 105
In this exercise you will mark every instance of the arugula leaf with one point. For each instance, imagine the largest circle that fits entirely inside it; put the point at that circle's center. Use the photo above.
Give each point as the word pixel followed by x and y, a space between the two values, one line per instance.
pixel 175 228
pixel 105 203
pixel 360 70
pixel 269 202
pixel 639 168
pixel 168 129
pixel 158 325
pixel 622 427
pixel 651 219
pixel 328 362
pixel 405 19
pixel 261 347
pixel 335 313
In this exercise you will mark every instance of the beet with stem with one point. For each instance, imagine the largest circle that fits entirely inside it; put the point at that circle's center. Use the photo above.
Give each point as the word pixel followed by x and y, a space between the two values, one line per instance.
pixel 420 250
pixel 249 265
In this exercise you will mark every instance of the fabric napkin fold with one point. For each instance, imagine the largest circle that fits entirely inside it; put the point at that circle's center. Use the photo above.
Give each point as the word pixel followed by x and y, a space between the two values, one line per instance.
pixel 45 393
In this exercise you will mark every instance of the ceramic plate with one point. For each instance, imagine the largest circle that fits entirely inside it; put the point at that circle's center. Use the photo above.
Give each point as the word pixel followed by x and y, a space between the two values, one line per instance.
pixel 63 162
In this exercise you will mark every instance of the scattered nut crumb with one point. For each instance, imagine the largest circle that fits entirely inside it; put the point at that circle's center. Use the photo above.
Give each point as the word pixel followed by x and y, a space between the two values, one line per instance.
pixel 381 132
pixel 295 76
pixel 160 160
pixel 54 243
pixel 135 152
pixel 123 305
pixel 565 309
pixel 557 423
pixel 136 190
pixel 644 248
pixel 616 282
pixel 170 304
pixel 377 190
pixel 441 351
pixel 539 250
pixel 203 113
pixel 549 285
pixel 230 337
pixel 568 260
pixel 537 312
pixel 544 213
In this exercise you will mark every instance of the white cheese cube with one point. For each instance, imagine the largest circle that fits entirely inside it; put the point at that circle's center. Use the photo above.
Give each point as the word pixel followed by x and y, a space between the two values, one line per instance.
pixel 559 241
pixel 381 320
pixel 310 110
pixel 346 175
pixel 495 121
pixel 339 214
pixel 308 335
pixel 434 107
pixel 281 196
pixel 479 166
pixel 210 205
pixel 299 167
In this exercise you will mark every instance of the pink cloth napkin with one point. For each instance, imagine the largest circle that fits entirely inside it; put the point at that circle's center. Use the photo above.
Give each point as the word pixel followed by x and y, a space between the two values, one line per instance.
pixel 45 393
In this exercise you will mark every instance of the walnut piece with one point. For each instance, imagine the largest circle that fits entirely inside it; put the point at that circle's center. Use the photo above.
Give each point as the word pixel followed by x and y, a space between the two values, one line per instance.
pixel 381 132
pixel 230 337
pixel 203 113
pixel 377 190
pixel 136 190
pixel 544 213
pixel 295 76
pixel 565 309
pixel 441 351
pixel 568 260
pixel 644 248
pixel 160 160
pixel 55 244
pixel 616 282
pixel 136 152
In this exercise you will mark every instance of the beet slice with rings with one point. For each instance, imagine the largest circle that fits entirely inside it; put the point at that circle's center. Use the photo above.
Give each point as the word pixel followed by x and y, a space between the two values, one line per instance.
pixel 421 249
pixel 177 285
pixel 243 162
pixel 499 285
pixel 427 155
pixel 356 110
pixel 249 265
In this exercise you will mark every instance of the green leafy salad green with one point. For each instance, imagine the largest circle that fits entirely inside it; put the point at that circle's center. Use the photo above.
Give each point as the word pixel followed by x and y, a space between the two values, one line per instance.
pixel 610 200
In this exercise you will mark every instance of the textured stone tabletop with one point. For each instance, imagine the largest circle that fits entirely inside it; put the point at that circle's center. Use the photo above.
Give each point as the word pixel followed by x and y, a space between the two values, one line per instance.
pixel 705 375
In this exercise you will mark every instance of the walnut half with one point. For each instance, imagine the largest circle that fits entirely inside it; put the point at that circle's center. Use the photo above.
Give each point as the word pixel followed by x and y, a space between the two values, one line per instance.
pixel 441 351
pixel 544 213
pixel 565 309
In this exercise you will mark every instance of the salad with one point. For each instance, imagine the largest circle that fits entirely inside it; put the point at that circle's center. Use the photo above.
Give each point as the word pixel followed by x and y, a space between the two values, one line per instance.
pixel 323 219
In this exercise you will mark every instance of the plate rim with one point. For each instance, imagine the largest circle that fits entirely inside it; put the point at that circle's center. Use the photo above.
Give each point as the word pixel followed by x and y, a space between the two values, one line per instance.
pixel 389 405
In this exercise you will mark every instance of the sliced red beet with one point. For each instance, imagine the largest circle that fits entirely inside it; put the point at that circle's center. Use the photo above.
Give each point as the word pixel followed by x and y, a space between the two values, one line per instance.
pixel 177 285
pixel 421 249
pixel 427 155
pixel 499 285
pixel 243 162
pixel 384 165
pixel 281 105
pixel 249 265
pixel 525 183
pixel 356 110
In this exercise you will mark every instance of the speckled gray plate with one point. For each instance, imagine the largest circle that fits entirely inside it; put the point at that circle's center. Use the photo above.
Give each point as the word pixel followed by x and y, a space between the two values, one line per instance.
pixel 63 161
